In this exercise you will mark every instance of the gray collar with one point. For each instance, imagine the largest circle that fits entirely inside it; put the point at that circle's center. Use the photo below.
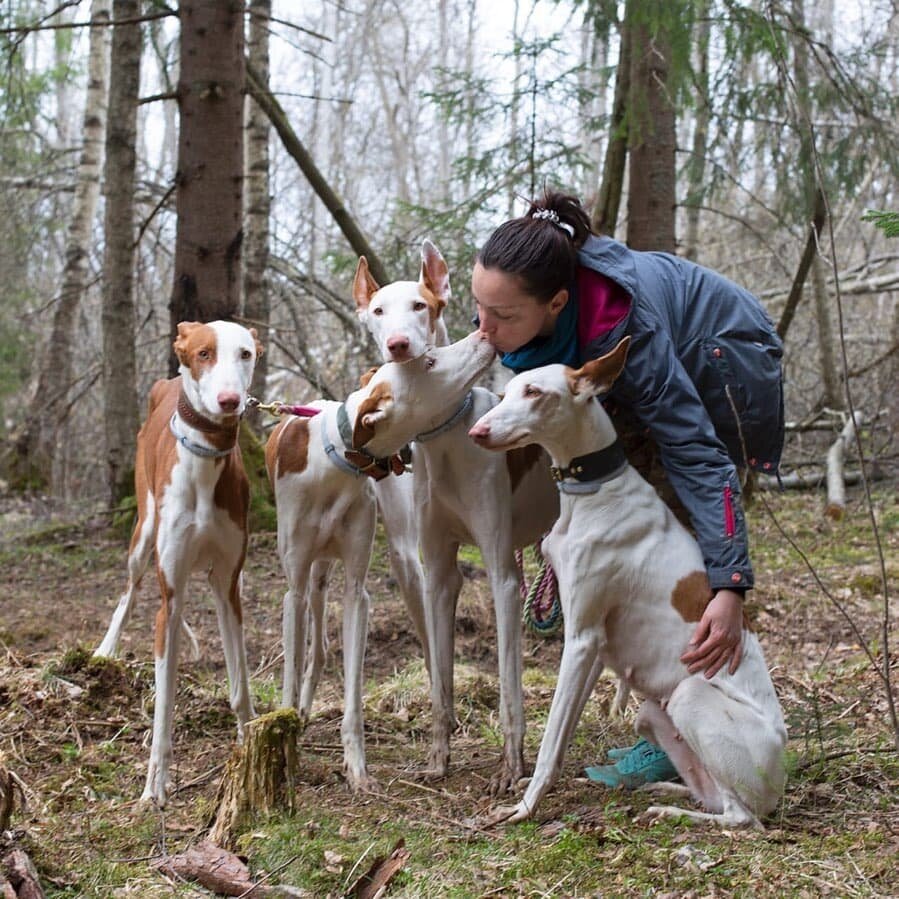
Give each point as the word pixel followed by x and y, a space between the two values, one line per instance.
pixel 198 449
pixel 450 423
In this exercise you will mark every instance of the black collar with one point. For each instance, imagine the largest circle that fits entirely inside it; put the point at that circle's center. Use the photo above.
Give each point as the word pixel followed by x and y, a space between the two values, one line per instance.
pixel 593 466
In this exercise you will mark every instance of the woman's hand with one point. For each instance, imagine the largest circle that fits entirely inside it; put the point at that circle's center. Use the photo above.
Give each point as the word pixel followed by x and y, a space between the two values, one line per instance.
pixel 718 636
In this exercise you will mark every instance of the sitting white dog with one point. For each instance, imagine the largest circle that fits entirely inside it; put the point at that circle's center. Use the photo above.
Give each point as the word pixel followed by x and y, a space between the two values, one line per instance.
pixel 633 584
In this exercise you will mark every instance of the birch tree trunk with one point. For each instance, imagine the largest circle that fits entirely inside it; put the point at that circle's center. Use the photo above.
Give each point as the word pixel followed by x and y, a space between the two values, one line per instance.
pixel 258 201
pixel 210 164
pixel 696 168
pixel 651 134
pixel 608 201
pixel 35 446
pixel 121 416
pixel 827 355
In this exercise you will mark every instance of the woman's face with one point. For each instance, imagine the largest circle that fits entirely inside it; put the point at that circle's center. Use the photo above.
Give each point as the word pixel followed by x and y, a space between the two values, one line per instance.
pixel 509 316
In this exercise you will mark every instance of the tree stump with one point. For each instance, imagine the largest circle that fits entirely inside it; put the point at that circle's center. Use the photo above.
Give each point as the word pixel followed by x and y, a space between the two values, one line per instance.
pixel 260 777
pixel 7 796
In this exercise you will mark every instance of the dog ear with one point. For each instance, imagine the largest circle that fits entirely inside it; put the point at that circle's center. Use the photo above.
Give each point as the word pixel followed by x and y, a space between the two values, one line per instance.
pixel 374 408
pixel 366 376
pixel 180 344
pixel 364 285
pixel 259 348
pixel 434 274
pixel 598 375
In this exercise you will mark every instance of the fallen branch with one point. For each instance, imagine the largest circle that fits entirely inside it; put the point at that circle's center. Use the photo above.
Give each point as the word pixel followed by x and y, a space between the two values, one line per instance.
pixel 836 485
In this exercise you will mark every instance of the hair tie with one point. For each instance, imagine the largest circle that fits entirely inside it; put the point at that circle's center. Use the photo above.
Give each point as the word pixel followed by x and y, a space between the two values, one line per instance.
pixel 552 216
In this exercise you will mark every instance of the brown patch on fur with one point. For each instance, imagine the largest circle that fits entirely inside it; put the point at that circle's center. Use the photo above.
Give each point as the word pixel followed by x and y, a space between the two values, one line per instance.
pixel 364 285
pixel 435 303
pixel 520 461
pixel 691 595
pixel 232 490
pixel 287 450
pixel 260 350
pixel 196 347
pixel 379 397
pixel 162 616
pixel 366 376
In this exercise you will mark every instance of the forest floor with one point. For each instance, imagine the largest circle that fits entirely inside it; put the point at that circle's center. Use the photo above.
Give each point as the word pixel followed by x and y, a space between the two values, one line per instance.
pixel 76 733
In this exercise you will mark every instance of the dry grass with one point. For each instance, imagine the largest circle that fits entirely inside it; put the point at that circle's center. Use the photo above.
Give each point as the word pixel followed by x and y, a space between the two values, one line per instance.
pixel 76 734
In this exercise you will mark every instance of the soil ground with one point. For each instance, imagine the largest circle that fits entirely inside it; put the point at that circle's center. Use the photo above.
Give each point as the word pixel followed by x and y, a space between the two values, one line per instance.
pixel 76 732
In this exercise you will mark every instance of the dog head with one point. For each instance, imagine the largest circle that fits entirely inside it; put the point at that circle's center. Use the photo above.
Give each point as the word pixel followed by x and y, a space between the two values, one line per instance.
pixel 405 317
pixel 546 405
pixel 401 401
pixel 216 363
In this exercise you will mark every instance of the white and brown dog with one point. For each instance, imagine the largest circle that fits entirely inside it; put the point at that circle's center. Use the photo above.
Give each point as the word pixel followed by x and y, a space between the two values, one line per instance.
pixel 192 500
pixel 633 585
pixel 326 510
pixel 463 494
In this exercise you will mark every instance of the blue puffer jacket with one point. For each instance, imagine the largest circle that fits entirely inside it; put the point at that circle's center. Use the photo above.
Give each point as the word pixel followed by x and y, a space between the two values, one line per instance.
pixel 701 348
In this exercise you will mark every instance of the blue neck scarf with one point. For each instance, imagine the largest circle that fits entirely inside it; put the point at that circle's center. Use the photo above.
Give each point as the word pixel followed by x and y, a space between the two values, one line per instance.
pixel 560 346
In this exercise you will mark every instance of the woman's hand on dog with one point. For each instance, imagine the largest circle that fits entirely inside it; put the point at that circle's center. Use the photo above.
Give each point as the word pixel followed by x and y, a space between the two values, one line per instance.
pixel 718 638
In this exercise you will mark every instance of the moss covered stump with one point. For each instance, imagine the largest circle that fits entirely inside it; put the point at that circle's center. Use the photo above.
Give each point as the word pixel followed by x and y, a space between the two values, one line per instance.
pixel 260 777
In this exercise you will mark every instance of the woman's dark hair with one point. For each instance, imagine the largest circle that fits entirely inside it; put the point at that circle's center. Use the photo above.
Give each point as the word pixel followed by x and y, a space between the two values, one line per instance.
pixel 541 246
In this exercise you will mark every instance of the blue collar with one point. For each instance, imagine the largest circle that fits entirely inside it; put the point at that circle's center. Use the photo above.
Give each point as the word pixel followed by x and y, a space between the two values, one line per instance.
pixel 560 346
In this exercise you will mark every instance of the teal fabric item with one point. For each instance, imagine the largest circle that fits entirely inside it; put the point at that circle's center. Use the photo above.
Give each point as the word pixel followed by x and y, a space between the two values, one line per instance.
pixel 643 764
pixel 560 347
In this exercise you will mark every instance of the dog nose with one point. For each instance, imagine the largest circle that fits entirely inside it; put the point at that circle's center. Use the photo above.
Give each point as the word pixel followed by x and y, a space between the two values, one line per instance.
pixel 479 431
pixel 228 401
pixel 398 344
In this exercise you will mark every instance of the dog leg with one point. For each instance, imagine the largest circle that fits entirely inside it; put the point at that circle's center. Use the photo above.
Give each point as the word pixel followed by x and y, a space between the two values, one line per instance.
pixel 579 670
pixel 443 582
pixel 168 632
pixel 318 634
pixel 355 630
pixel 740 748
pixel 396 508
pixel 503 572
pixel 226 585
pixel 297 566
pixel 138 558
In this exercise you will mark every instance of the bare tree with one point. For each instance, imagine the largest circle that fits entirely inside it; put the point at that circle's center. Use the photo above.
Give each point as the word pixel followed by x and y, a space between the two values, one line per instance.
pixel 119 376
pixel 35 445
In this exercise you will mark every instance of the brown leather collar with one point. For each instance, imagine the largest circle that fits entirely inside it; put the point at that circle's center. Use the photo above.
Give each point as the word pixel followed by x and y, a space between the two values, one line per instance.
pixel 376 468
pixel 222 436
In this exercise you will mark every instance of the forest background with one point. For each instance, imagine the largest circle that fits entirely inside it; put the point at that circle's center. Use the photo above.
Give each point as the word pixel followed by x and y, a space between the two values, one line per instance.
pixel 757 138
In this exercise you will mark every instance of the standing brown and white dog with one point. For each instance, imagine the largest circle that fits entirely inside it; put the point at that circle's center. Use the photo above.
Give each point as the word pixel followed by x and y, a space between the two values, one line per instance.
pixel 192 500
pixel 633 585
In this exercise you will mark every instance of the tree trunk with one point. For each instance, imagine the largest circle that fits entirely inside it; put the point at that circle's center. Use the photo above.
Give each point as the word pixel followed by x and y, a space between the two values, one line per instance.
pixel 210 163
pixel 651 134
pixel 696 168
pixel 608 202
pixel 119 375
pixel 258 202
pixel 35 446
pixel 261 775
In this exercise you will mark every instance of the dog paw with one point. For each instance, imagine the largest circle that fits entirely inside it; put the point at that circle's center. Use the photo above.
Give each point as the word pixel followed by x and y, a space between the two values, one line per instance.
pixel 363 783
pixel 505 814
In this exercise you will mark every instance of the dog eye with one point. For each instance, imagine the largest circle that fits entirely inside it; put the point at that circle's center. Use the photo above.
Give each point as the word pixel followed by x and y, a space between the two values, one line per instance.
pixel 418 306
pixel 377 311
pixel 246 354
pixel 531 391
pixel 431 361
pixel 203 354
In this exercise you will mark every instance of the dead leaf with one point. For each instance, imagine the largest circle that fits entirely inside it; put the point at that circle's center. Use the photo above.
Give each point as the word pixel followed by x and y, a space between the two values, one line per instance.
pixel 373 884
